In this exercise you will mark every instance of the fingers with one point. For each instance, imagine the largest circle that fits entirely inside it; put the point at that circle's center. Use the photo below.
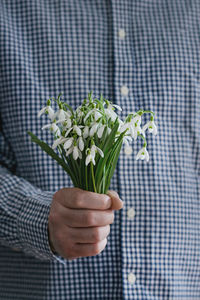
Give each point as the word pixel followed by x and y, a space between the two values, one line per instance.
pixel 117 203
pixel 77 198
pixel 84 250
pixel 86 218
pixel 89 235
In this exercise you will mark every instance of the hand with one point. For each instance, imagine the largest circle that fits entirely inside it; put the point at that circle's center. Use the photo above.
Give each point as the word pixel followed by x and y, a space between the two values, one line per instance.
pixel 79 221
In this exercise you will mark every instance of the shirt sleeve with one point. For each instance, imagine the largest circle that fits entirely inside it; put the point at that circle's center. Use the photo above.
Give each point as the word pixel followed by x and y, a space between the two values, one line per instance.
pixel 24 211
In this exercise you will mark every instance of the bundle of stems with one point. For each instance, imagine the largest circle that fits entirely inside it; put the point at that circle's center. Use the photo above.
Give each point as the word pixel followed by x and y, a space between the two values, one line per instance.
pixel 89 139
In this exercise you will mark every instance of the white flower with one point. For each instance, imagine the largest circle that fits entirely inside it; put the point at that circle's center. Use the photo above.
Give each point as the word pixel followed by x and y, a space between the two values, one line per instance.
pixel 53 127
pixel 68 123
pixel 95 149
pixel 137 119
pixel 86 132
pixel 93 129
pixel 143 154
pixel 47 109
pixel 151 127
pixel 76 152
pixel 110 112
pixel 90 158
pixel 62 115
pixel 58 141
pixel 100 131
pixel 133 127
pixel 97 115
pixel 91 154
pixel 77 129
pixel 80 143
pixel 88 114
pixel 68 143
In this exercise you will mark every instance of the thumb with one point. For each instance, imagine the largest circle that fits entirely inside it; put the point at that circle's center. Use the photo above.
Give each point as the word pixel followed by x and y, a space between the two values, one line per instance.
pixel 117 203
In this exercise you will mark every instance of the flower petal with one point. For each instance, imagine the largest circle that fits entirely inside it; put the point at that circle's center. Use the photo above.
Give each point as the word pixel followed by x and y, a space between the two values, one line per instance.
pixel 42 111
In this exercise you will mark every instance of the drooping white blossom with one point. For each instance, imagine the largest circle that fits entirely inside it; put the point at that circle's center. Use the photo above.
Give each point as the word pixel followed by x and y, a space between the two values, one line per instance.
pixel 143 154
pixel 58 141
pixel 53 127
pixel 62 115
pixel 68 143
pixel 75 130
pixel 86 132
pixel 95 149
pixel 93 129
pixel 152 128
pixel 48 110
pixel 80 143
pixel 90 158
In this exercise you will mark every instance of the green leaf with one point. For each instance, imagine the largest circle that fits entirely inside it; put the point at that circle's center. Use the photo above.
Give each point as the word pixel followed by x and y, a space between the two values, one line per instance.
pixel 69 107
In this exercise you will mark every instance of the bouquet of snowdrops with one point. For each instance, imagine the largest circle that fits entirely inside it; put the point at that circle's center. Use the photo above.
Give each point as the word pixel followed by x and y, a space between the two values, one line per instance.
pixel 88 140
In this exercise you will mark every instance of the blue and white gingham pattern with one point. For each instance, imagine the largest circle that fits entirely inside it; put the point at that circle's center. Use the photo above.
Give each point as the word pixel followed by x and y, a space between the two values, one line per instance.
pixel 47 47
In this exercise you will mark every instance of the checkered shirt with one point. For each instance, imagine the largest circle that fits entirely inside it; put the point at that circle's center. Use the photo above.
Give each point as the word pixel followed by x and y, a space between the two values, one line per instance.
pixel 139 54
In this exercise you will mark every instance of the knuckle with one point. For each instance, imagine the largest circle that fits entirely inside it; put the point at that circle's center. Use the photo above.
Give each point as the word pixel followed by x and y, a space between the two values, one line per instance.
pixel 112 217
pixel 90 218
pixel 79 199
pixel 96 237
pixel 108 230
pixel 96 249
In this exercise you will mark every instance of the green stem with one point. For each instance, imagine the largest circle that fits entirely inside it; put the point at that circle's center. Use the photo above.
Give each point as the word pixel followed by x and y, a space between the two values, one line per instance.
pixel 86 178
pixel 148 111
pixel 93 180
pixel 145 141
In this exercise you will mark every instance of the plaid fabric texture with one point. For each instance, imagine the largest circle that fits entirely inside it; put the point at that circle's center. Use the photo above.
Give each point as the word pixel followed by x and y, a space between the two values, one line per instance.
pixel 73 46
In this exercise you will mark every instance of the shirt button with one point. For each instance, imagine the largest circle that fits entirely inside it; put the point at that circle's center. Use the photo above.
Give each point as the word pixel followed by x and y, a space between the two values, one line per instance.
pixel 131 278
pixel 121 34
pixel 131 213
pixel 128 150
pixel 124 90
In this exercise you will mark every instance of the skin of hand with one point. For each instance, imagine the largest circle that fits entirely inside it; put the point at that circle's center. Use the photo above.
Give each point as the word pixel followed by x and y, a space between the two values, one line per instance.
pixel 79 221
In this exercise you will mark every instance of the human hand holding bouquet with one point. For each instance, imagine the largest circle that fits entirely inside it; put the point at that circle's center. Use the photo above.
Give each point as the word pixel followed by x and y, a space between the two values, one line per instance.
pixel 88 142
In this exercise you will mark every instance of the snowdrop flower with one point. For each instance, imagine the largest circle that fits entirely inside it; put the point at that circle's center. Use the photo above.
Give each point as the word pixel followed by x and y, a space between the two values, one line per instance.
pixel 62 115
pixel 90 158
pixel 58 141
pixel 93 129
pixel 86 132
pixel 143 154
pixel 76 128
pixel 151 127
pixel 91 154
pixel 76 152
pixel 97 115
pixel 47 109
pixel 137 119
pixel 95 149
pixel 80 143
pixel 100 131
pixel 53 127
pixel 68 143
pixel 133 127
pixel 110 111
pixel 67 123
pixel 88 114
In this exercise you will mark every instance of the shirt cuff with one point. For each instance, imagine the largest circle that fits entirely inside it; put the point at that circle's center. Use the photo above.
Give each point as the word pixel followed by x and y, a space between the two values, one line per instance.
pixel 32 225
